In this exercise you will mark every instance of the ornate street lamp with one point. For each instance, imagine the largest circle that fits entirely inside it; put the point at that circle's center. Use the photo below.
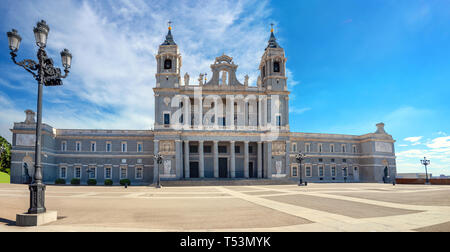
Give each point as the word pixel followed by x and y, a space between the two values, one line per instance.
pixel 159 161
pixel 45 74
pixel 300 157
pixel 426 162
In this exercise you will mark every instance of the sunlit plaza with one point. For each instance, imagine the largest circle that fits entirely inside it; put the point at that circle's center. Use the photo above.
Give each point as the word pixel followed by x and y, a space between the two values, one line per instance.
pixel 316 207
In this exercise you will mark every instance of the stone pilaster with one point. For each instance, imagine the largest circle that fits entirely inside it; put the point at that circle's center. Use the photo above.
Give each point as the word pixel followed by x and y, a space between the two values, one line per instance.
pixel 260 160
pixel 232 160
pixel 246 172
pixel 186 160
pixel 216 158
pixel 201 160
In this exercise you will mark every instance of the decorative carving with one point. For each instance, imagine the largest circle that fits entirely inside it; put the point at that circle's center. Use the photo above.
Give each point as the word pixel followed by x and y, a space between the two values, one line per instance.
pixel 186 79
pixel 167 166
pixel 167 147
pixel 200 79
pixel 224 78
pixel 167 101
pixel 278 148
pixel 383 147
pixel 29 116
pixel 278 167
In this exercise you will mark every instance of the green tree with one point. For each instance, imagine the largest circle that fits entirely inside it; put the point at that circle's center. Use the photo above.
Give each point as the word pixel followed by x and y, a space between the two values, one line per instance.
pixel 5 157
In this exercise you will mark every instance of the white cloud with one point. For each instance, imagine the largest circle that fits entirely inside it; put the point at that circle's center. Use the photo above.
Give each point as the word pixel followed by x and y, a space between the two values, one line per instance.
pixel 413 139
pixel 440 142
pixel 114 45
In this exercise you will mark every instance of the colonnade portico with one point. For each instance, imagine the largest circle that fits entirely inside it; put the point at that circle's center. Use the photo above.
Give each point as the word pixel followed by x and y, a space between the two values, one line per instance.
pixel 254 157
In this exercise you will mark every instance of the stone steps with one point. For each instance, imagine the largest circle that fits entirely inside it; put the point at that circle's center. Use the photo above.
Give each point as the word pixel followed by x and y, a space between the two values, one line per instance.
pixel 227 182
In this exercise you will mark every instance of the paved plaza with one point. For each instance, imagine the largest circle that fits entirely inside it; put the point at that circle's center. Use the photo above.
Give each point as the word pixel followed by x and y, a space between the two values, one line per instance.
pixel 317 207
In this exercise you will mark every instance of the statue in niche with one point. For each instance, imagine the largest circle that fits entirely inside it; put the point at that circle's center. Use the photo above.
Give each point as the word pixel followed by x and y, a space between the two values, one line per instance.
pixel 278 167
pixel 224 78
pixel 246 80
pixel 186 79
pixel 259 81
pixel 167 166
pixel 200 79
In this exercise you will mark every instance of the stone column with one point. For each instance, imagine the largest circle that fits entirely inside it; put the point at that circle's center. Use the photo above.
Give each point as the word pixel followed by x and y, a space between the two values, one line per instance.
pixel 259 160
pixel 269 159
pixel 232 161
pixel 259 112
pixel 200 113
pixel 288 160
pixel 201 160
pixel 216 113
pixel 178 159
pixel 246 174
pixel 155 164
pixel 186 159
pixel 186 114
pixel 216 158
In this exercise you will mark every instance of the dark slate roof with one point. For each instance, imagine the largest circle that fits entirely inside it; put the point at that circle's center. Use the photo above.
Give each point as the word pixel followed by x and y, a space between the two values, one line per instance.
pixel 273 42
pixel 169 39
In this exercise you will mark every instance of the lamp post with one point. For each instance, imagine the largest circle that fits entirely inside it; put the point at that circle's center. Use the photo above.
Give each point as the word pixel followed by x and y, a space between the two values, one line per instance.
pixel 300 157
pixel 46 74
pixel 344 170
pixel 159 160
pixel 426 162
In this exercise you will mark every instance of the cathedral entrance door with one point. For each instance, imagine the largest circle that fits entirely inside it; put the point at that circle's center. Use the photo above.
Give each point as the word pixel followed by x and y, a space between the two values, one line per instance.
pixel 223 168
pixel 251 173
pixel 193 170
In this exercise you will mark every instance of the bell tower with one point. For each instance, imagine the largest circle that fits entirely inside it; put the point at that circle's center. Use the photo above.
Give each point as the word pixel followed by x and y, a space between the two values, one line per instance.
pixel 168 63
pixel 273 66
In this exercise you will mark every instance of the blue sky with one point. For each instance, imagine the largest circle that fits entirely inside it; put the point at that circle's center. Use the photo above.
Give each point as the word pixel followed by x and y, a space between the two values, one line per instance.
pixel 351 63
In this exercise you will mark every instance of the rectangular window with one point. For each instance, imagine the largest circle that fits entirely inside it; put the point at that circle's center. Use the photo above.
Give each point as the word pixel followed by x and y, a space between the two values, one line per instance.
pixel 93 146
pixel 64 146
pixel 63 172
pixel 333 171
pixel 139 147
pixel 92 172
pixel 78 146
pixel 139 172
pixel 279 121
pixel 307 147
pixel 193 149
pixel 124 146
pixel 108 146
pixel 343 148
pixel 250 149
pixel 207 149
pixel 331 147
pixel 77 172
pixel 222 121
pixel 321 172
pixel 222 149
pixel 237 149
pixel 320 147
pixel 166 119
pixel 308 171
pixel 294 171
pixel 108 172
pixel 354 148
pixel 344 172
pixel 294 147
pixel 123 172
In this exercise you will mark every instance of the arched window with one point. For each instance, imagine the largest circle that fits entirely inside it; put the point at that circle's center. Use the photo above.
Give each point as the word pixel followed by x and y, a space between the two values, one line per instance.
pixel 168 64
pixel 276 67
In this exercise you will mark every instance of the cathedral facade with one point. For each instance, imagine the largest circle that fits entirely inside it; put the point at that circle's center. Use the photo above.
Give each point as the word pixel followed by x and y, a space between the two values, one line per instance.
pixel 219 128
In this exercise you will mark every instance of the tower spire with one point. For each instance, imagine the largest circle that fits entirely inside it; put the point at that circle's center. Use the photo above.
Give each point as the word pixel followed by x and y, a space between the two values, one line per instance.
pixel 272 41
pixel 169 38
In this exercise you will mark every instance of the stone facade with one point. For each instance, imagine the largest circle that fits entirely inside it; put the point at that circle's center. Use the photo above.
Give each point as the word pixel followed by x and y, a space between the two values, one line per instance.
pixel 217 128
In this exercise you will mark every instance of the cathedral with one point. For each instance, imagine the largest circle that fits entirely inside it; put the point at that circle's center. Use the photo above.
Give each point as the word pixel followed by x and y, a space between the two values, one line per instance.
pixel 206 129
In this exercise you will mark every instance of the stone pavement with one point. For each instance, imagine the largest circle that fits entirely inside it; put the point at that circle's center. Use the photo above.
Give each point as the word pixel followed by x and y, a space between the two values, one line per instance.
pixel 317 207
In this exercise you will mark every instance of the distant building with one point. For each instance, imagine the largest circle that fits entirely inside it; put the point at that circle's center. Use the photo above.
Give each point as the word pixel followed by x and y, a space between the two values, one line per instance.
pixel 218 128
pixel 413 175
